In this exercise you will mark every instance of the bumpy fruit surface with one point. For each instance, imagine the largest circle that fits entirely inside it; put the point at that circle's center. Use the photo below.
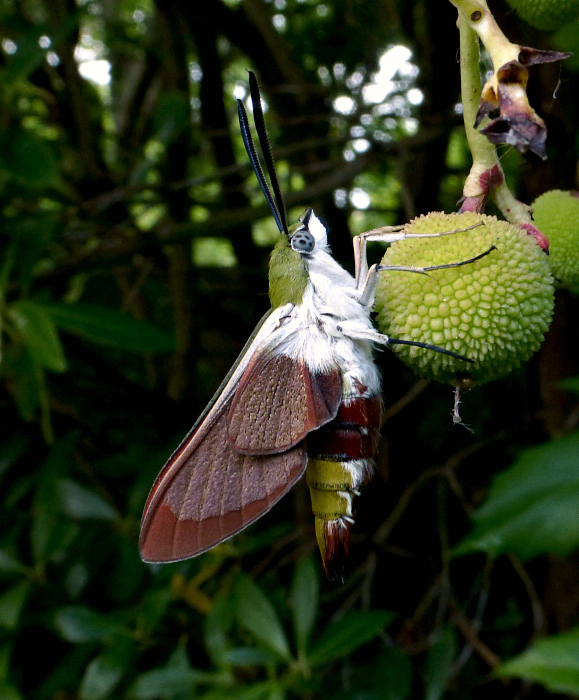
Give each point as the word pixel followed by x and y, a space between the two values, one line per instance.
pixel 494 311
pixel 556 213
pixel 546 14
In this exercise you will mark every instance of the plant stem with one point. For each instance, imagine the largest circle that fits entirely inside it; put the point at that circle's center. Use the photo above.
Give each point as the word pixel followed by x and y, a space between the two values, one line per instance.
pixel 484 153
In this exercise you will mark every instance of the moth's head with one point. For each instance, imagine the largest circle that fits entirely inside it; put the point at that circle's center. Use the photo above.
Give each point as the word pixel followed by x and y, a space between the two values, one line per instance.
pixel 309 234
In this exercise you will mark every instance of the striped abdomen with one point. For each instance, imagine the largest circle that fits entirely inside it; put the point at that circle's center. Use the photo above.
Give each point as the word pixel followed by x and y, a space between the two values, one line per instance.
pixel 340 462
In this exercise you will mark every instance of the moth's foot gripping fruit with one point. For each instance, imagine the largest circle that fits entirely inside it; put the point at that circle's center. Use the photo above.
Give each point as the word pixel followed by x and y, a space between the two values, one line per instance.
pixel 556 213
pixel 495 311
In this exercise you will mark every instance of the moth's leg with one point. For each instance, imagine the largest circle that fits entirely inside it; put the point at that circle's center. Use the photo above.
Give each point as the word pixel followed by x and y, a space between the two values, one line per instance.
pixel 367 289
pixel 384 234
pixel 360 257
pixel 389 234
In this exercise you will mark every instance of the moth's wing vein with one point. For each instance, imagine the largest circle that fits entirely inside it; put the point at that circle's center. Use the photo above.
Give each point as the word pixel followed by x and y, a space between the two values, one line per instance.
pixel 279 401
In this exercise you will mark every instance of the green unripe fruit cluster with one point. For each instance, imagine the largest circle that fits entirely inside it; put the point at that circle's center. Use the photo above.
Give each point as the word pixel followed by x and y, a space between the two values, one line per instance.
pixel 556 214
pixel 494 311
pixel 546 14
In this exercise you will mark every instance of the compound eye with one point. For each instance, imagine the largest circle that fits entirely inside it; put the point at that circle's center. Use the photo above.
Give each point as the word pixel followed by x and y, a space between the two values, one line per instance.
pixel 303 241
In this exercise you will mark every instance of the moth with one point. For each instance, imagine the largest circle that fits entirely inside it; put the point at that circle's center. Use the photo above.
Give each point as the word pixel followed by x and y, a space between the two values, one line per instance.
pixel 303 396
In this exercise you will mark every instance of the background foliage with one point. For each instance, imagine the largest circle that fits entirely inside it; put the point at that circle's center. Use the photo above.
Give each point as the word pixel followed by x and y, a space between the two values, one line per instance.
pixel 134 246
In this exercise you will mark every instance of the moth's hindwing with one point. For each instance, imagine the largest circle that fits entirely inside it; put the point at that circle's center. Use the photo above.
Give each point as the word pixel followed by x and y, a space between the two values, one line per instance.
pixel 279 401
pixel 211 491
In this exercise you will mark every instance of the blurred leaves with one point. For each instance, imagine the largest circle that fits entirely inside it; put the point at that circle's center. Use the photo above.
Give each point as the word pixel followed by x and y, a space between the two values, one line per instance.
pixel 245 614
pixel 351 631
pixel 39 333
pixel 104 673
pixel 39 347
pixel 28 158
pixel 79 624
pixel 532 506
pixel 11 604
pixel 79 503
pixel 254 612
pixel 113 337
pixel 554 662
pixel 304 602
pixel 439 663
pixel 109 327
pixel 170 682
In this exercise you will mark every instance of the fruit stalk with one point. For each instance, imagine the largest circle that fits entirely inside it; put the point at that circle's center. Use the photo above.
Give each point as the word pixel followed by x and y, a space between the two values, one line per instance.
pixel 483 153
pixel 478 184
pixel 486 176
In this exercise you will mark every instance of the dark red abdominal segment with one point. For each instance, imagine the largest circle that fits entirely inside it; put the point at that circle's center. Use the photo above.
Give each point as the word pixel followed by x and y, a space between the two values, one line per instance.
pixel 340 462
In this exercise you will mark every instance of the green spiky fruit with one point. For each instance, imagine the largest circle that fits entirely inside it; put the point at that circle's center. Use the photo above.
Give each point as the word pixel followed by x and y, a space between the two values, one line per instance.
pixel 556 214
pixel 546 14
pixel 494 311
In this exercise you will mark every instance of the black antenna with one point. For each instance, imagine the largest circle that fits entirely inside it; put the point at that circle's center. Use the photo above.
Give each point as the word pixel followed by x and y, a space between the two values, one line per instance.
pixel 257 169
pixel 265 147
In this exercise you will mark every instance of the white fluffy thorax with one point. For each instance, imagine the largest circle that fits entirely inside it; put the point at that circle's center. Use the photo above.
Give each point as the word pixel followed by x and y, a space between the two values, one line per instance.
pixel 330 326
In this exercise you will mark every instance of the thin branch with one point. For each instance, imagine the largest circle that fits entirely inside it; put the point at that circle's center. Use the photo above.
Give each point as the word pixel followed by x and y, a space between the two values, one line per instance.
pixel 468 629
pixel 415 390
pixel 536 607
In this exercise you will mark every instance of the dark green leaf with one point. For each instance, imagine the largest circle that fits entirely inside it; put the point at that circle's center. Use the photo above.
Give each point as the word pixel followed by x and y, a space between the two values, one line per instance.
pixel 50 532
pixel 153 606
pixel 9 564
pixel 350 632
pixel 249 656
pixel 126 579
pixel 39 333
pixel 169 682
pixel 71 664
pixel 553 661
pixel 393 677
pixel 110 327
pixel 44 521
pixel 9 692
pixel 82 504
pixel 255 613
pixel 255 691
pixel 304 601
pixel 76 579
pixel 276 694
pixel 260 539
pixel 11 604
pixel 217 625
pixel 26 379
pixel 439 663
pixel 31 237
pixel 532 507
pixel 5 656
pixel 171 117
pixel 386 676
pixel 104 672
pixel 12 449
pixel 28 158
pixel 79 624
pixel 570 384
pixel 566 39
pixel 179 658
